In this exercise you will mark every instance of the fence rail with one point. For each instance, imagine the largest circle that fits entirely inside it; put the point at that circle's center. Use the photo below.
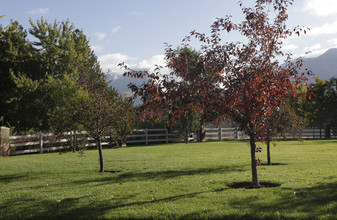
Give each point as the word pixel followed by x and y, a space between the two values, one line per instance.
pixel 234 133
pixel 40 143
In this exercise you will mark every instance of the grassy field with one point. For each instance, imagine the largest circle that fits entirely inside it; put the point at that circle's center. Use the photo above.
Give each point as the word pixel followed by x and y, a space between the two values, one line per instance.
pixel 172 181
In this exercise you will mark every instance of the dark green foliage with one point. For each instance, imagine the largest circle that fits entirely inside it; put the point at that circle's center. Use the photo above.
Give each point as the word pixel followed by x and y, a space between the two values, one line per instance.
pixel 33 72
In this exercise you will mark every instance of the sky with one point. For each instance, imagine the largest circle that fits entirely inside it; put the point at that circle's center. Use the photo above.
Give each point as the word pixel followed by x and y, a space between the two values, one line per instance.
pixel 135 31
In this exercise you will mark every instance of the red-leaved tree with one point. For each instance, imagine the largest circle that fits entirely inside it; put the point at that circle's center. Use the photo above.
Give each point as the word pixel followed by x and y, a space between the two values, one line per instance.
pixel 242 81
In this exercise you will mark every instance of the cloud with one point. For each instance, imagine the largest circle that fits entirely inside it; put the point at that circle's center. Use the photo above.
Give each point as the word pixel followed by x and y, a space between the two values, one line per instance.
pixel 116 29
pixel 314 51
pixel 150 63
pixel 328 28
pixel 312 48
pixel 321 7
pixel 333 41
pixel 100 35
pixel 97 48
pixel 110 62
pixel 290 47
pixel 38 11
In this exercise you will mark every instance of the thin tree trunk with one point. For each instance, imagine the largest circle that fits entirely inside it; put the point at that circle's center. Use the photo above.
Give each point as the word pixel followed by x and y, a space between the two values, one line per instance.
pixel 201 135
pixel 268 147
pixel 253 161
pixel 268 152
pixel 186 135
pixel 99 146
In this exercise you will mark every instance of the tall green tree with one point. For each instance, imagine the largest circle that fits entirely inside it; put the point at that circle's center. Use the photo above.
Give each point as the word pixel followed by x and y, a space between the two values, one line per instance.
pixel 317 105
pixel 59 52
pixel 18 65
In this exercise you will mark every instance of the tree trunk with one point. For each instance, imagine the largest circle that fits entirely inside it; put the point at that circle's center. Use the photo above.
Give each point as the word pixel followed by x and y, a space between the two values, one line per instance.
pixel 186 135
pixel 201 133
pixel 99 146
pixel 253 161
pixel 268 147
pixel 268 152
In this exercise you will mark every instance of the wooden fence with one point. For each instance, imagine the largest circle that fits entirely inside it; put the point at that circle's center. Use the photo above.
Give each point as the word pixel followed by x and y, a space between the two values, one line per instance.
pixel 40 143
pixel 233 133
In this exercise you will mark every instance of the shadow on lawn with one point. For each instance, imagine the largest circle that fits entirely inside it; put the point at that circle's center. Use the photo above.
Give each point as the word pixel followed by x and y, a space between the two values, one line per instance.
pixel 160 175
pixel 11 178
pixel 306 203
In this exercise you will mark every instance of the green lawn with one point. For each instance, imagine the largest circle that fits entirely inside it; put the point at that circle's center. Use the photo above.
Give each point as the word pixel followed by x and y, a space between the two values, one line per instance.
pixel 172 181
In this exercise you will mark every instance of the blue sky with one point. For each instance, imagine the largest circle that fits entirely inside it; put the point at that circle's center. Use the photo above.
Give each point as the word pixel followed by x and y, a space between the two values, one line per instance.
pixel 135 31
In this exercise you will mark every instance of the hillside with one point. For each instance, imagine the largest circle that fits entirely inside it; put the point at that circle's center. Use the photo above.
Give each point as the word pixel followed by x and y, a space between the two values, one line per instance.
pixel 323 66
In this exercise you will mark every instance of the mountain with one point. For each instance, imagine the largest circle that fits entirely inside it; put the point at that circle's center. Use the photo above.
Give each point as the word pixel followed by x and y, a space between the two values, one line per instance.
pixel 121 84
pixel 323 66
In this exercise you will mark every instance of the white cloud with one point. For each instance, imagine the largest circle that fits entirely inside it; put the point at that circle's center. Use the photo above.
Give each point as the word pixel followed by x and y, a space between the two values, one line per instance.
pixel 116 29
pixel 313 51
pixel 328 28
pixel 290 47
pixel 38 11
pixel 111 61
pixel 316 53
pixel 150 63
pixel 97 48
pixel 321 7
pixel 100 35
pixel 333 41
pixel 312 48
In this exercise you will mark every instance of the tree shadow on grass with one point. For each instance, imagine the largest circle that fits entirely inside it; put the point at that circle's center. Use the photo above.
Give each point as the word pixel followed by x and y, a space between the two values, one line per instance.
pixel 11 178
pixel 160 175
pixel 69 209
pixel 249 185
pixel 273 164
pixel 306 203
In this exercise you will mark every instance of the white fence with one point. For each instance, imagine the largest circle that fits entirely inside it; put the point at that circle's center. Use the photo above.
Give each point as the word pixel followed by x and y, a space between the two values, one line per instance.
pixel 233 133
pixel 40 143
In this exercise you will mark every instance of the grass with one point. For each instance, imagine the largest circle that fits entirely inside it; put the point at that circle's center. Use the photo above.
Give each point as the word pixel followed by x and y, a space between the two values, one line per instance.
pixel 172 181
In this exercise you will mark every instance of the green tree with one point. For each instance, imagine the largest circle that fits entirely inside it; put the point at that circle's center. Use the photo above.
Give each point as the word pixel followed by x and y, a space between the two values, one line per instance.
pixel 59 52
pixel 283 121
pixel 125 120
pixel 18 65
pixel 332 103
pixel 317 105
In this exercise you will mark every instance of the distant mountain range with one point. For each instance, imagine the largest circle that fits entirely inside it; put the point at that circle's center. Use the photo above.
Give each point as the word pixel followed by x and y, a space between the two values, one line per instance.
pixel 323 66
pixel 121 84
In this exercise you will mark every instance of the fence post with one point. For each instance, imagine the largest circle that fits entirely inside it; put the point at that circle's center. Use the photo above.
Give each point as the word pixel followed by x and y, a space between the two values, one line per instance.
pixel 220 133
pixel 313 133
pixel 5 149
pixel 41 143
pixel 166 132
pixel 146 137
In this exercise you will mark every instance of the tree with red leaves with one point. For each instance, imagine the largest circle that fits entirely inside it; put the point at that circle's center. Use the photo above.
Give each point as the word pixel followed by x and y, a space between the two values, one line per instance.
pixel 242 81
